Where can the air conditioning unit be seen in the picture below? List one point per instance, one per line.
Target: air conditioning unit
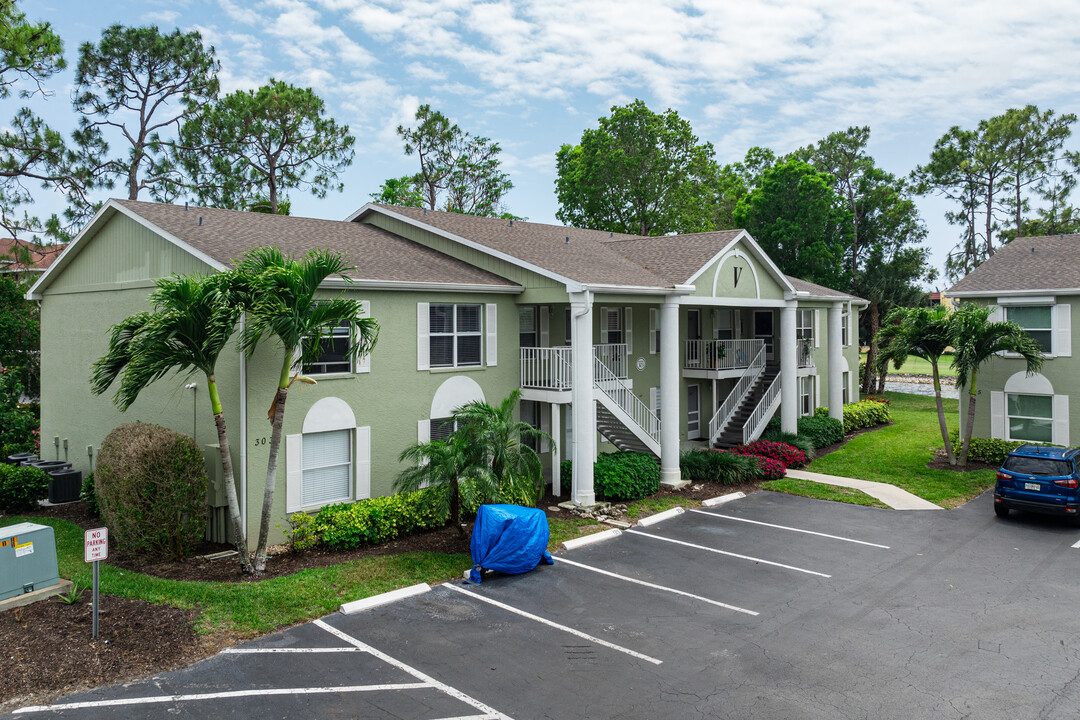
(27, 559)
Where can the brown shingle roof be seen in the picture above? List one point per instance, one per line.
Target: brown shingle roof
(225, 235)
(42, 256)
(673, 257)
(586, 258)
(814, 289)
(1035, 263)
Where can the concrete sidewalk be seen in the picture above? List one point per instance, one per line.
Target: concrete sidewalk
(891, 495)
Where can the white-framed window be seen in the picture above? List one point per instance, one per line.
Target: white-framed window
(806, 395)
(845, 322)
(334, 356)
(804, 324)
(330, 461)
(327, 464)
(454, 335)
(527, 326)
(654, 331)
(846, 379)
(440, 428)
(1030, 417)
(612, 330)
(1037, 320)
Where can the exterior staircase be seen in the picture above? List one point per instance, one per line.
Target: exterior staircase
(732, 433)
(617, 433)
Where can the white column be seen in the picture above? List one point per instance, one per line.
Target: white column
(669, 392)
(836, 359)
(556, 449)
(789, 388)
(584, 450)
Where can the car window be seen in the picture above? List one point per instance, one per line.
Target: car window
(1038, 466)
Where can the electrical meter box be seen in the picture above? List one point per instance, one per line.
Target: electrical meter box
(27, 559)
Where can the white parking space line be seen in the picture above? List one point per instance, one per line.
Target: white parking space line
(557, 626)
(267, 651)
(221, 695)
(793, 529)
(590, 568)
(1076, 544)
(489, 712)
(729, 554)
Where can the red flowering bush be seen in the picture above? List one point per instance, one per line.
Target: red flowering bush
(878, 399)
(769, 469)
(786, 455)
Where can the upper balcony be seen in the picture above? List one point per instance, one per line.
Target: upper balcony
(552, 368)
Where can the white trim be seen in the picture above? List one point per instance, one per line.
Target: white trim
(35, 292)
(423, 431)
(628, 332)
(1061, 420)
(423, 341)
(338, 283)
(351, 608)
(242, 499)
(294, 473)
(1062, 330)
(362, 463)
(363, 362)
(571, 285)
(544, 330)
(705, 301)
(763, 257)
(719, 254)
(1020, 383)
(454, 392)
(654, 330)
(492, 331)
(1027, 300)
(328, 414)
(997, 415)
(737, 253)
(1011, 293)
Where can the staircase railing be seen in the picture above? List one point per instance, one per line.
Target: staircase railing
(738, 393)
(605, 380)
(719, 354)
(614, 356)
(547, 368)
(760, 416)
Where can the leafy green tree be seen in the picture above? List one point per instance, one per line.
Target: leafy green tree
(140, 84)
(190, 325)
(923, 333)
(502, 445)
(28, 52)
(1032, 143)
(736, 180)
(459, 172)
(259, 143)
(282, 300)
(800, 222)
(976, 340)
(449, 467)
(20, 334)
(639, 172)
(402, 191)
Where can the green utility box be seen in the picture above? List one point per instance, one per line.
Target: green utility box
(27, 559)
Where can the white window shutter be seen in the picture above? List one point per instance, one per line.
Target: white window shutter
(716, 323)
(1061, 420)
(997, 314)
(1063, 330)
(545, 326)
(817, 394)
(294, 474)
(423, 431)
(654, 331)
(491, 318)
(817, 328)
(363, 362)
(604, 325)
(628, 323)
(654, 401)
(363, 463)
(545, 426)
(997, 414)
(423, 345)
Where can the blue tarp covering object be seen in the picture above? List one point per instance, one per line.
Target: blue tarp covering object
(508, 538)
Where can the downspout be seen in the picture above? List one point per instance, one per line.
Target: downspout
(243, 431)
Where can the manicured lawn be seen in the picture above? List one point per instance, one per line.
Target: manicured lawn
(568, 528)
(897, 454)
(918, 366)
(810, 489)
(650, 506)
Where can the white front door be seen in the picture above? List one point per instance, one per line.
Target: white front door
(693, 413)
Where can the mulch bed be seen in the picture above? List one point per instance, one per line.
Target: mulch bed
(940, 461)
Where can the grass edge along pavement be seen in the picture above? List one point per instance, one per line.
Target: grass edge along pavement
(897, 454)
(820, 491)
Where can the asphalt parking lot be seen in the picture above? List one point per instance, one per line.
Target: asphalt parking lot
(771, 606)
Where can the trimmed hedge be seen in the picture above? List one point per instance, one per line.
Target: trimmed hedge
(783, 453)
(990, 450)
(619, 475)
(866, 413)
(717, 466)
(21, 488)
(821, 430)
(366, 522)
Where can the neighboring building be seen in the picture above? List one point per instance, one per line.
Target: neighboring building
(27, 261)
(653, 343)
(1034, 282)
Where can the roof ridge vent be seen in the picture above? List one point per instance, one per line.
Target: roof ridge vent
(567, 239)
(200, 221)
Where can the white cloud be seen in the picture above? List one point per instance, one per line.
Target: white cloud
(164, 18)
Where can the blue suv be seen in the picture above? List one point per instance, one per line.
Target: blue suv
(1039, 479)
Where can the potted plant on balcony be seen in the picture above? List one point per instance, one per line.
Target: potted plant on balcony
(714, 353)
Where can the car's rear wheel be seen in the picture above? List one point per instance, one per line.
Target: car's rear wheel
(1001, 510)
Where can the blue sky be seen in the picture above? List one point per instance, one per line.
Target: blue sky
(533, 75)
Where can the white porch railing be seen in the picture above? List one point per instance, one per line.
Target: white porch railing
(734, 399)
(620, 394)
(752, 429)
(720, 354)
(547, 368)
(614, 357)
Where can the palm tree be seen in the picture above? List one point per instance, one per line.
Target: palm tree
(449, 467)
(497, 438)
(924, 333)
(975, 340)
(280, 296)
(190, 325)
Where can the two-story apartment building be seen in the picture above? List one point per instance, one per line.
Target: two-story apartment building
(648, 343)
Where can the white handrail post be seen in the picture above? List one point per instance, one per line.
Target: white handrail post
(669, 392)
(584, 432)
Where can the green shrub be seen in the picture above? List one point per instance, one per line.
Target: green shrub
(803, 441)
(371, 521)
(18, 421)
(774, 424)
(150, 486)
(991, 450)
(864, 414)
(21, 488)
(768, 468)
(302, 533)
(721, 467)
(625, 476)
(89, 496)
(821, 431)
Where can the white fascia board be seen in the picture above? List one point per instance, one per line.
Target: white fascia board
(990, 294)
(571, 285)
(695, 300)
(635, 289)
(363, 284)
(35, 292)
(1026, 300)
(762, 256)
(693, 278)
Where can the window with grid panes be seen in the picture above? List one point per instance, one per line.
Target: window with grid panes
(527, 334)
(613, 326)
(804, 324)
(1037, 320)
(454, 335)
(1031, 417)
(327, 467)
(333, 353)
